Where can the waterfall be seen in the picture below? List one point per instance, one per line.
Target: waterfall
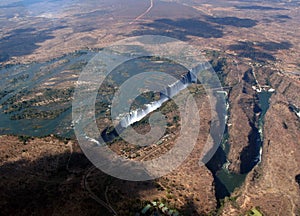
(167, 93)
(164, 95)
(139, 114)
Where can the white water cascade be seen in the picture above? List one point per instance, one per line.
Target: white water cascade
(169, 92)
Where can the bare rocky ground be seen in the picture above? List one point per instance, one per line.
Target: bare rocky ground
(41, 177)
(47, 176)
(272, 186)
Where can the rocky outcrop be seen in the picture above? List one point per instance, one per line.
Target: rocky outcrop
(243, 122)
(272, 185)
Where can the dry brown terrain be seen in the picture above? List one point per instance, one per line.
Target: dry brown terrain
(273, 184)
(260, 42)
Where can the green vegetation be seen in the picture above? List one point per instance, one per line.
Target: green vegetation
(47, 96)
(169, 196)
(144, 98)
(77, 66)
(4, 93)
(176, 118)
(156, 206)
(133, 206)
(231, 200)
(24, 139)
(38, 107)
(22, 77)
(218, 63)
(254, 212)
(37, 114)
(158, 186)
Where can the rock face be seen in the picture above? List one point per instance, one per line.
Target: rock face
(48, 176)
(273, 185)
(243, 120)
(42, 176)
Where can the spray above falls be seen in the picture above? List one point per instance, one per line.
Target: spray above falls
(167, 93)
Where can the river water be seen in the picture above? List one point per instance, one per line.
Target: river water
(225, 181)
(35, 76)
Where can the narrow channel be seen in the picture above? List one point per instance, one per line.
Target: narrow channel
(225, 181)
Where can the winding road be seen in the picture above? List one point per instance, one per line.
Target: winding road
(93, 195)
(144, 13)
